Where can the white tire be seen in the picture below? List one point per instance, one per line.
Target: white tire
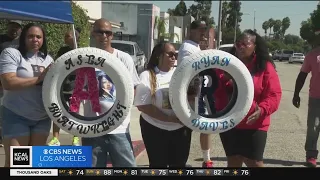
(108, 63)
(193, 65)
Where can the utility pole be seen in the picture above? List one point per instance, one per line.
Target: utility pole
(219, 24)
(237, 4)
(235, 28)
(254, 20)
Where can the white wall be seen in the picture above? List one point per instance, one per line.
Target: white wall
(122, 12)
(165, 16)
(93, 8)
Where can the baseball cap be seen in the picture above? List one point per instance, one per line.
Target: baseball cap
(16, 21)
(198, 24)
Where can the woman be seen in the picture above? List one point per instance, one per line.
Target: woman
(246, 142)
(22, 70)
(167, 141)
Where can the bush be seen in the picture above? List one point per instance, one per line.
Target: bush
(55, 32)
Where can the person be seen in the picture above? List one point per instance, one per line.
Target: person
(118, 142)
(25, 120)
(67, 86)
(198, 31)
(10, 39)
(310, 64)
(166, 139)
(246, 142)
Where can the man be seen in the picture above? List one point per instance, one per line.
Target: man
(198, 31)
(69, 41)
(118, 142)
(10, 39)
(310, 64)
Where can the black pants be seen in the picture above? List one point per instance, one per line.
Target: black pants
(244, 142)
(166, 148)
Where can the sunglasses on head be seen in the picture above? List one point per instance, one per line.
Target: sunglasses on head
(101, 32)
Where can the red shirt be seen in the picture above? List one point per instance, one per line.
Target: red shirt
(267, 94)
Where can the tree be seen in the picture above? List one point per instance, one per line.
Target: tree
(202, 11)
(265, 27)
(55, 32)
(306, 31)
(230, 14)
(277, 29)
(179, 10)
(161, 27)
(285, 25)
(271, 23)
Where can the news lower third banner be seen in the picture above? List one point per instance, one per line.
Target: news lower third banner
(51, 156)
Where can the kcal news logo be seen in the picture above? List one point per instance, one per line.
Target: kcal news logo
(21, 156)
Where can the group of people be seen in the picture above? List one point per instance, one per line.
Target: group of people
(167, 141)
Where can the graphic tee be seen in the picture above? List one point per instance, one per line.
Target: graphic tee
(161, 99)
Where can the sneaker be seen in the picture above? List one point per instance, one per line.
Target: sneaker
(311, 162)
(207, 164)
(54, 142)
(76, 141)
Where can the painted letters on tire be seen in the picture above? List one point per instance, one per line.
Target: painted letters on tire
(196, 63)
(94, 58)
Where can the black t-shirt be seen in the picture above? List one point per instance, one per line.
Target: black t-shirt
(63, 50)
(4, 38)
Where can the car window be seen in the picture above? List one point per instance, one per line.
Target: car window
(298, 54)
(128, 48)
(137, 48)
(287, 52)
(226, 49)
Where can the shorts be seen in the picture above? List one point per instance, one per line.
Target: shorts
(244, 142)
(14, 125)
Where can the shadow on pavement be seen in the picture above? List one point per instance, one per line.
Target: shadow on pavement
(266, 161)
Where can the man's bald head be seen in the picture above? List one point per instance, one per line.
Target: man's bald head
(101, 23)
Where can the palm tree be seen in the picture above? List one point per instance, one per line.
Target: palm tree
(160, 25)
(265, 27)
(271, 23)
(285, 25)
(277, 28)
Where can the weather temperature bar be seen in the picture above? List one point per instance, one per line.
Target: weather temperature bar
(154, 172)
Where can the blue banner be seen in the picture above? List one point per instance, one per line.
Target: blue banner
(61, 156)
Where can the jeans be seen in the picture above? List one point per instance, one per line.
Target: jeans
(313, 128)
(118, 146)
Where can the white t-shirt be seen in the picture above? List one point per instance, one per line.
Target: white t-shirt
(161, 99)
(187, 48)
(107, 104)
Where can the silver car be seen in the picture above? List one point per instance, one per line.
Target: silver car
(297, 57)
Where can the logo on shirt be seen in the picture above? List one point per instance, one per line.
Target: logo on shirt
(37, 70)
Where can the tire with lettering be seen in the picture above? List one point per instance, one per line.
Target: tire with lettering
(94, 58)
(193, 65)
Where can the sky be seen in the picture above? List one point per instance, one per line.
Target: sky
(297, 11)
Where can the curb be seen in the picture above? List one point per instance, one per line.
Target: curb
(138, 148)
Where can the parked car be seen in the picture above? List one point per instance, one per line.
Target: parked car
(283, 55)
(226, 47)
(133, 49)
(297, 57)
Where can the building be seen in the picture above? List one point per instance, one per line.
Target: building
(180, 23)
(94, 9)
(137, 22)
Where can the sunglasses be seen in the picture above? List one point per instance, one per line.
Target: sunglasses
(172, 54)
(101, 32)
(241, 44)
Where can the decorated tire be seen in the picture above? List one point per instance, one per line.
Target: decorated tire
(193, 65)
(87, 58)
